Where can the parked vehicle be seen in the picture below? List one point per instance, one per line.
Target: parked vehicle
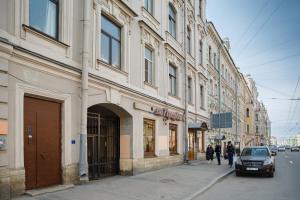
(295, 149)
(287, 147)
(274, 149)
(255, 160)
(281, 148)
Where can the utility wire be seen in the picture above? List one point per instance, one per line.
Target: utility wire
(260, 28)
(252, 22)
(273, 61)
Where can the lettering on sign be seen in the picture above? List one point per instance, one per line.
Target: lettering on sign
(175, 116)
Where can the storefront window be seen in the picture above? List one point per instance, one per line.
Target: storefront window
(149, 137)
(173, 139)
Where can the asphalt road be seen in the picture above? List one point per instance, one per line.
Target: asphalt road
(284, 186)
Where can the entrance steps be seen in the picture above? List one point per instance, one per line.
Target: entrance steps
(55, 188)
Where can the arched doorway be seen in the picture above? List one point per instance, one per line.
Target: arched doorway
(105, 125)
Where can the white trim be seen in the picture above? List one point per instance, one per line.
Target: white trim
(21, 90)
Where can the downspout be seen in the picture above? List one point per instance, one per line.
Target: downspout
(185, 87)
(83, 173)
(219, 76)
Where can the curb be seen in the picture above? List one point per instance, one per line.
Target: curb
(212, 183)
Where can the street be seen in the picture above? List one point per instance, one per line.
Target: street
(284, 185)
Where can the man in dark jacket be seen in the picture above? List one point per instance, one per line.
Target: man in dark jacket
(218, 153)
(230, 153)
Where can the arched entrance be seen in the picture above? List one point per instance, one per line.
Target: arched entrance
(104, 125)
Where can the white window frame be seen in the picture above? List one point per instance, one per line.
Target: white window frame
(152, 78)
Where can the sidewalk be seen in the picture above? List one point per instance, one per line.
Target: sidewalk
(179, 182)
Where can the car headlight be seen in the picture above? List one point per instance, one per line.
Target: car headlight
(268, 162)
(238, 161)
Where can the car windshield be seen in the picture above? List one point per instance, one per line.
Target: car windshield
(255, 152)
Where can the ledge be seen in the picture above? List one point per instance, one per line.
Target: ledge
(44, 36)
(111, 67)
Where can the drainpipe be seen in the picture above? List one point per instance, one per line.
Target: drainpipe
(83, 173)
(185, 87)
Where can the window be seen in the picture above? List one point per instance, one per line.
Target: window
(215, 59)
(200, 8)
(149, 76)
(256, 117)
(43, 16)
(189, 89)
(209, 54)
(222, 71)
(201, 52)
(110, 42)
(202, 96)
(172, 21)
(172, 80)
(188, 40)
(149, 137)
(173, 139)
(248, 128)
(247, 112)
(148, 5)
(256, 129)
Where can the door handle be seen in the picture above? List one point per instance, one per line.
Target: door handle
(43, 157)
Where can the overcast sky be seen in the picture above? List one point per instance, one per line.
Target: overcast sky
(265, 42)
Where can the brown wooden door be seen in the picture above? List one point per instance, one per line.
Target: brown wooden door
(191, 145)
(42, 143)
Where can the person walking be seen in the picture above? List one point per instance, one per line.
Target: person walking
(209, 153)
(218, 153)
(230, 153)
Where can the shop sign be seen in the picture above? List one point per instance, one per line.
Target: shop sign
(175, 116)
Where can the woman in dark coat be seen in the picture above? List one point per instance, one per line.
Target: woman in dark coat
(209, 153)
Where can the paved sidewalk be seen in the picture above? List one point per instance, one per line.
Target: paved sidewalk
(180, 182)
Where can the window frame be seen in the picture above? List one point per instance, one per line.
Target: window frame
(173, 20)
(173, 127)
(190, 90)
(111, 38)
(202, 103)
(57, 35)
(152, 82)
(171, 76)
(152, 122)
(148, 3)
(189, 41)
(201, 52)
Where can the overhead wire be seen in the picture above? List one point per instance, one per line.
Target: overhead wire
(260, 28)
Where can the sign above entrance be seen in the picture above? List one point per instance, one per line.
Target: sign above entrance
(175, 116)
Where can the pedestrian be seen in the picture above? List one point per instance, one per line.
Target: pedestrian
(218, 153)
(209, 153)
(230, 153)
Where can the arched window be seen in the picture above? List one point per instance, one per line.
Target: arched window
(172, 20)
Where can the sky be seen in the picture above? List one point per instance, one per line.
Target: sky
(265, 43)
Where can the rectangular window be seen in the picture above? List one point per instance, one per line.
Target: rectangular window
(44, 17)
(172, 80)
(215, 60)
(149, 77)
(248, 128)
(110, 42)
(149, 137)
(200, 8)
(148, 5)
(173, 139)
(172, 21)
(209, 54)
(201, 52)
(189, 41)
(189, 89)
(256, 129)
(202, 96)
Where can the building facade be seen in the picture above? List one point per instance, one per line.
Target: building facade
(102, 87)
